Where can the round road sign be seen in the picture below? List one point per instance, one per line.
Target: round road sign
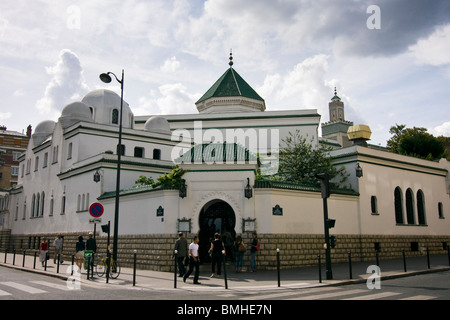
(96, 209)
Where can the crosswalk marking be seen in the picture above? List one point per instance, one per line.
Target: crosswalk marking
(23, 287)
(373, 296)
(330, 295)
(419, 297)
(4, 293)
(283, 294)
(52, 285)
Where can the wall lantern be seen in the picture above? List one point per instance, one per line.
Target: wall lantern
(248, 191)
(97, 176)
(183, 191)
(359, 171)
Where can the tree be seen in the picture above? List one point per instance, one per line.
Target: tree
(299, 162)
(415, 142)
(171, 180)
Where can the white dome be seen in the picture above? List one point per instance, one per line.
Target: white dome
(75, 112)
(43, 130)
(45, 127)
(103, 102)
(157, 124)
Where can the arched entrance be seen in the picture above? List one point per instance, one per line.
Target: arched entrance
(215, 216)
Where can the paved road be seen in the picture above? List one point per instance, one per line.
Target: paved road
(18, 285)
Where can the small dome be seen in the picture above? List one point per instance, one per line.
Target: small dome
(46, 126)
(157, 124)
(75, 112)
(103, 102)
(43, 130)
(359, 131)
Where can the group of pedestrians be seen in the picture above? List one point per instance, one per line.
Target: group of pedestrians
(80, 247)
(188, 255)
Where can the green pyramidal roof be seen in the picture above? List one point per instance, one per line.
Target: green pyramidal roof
(230, 84)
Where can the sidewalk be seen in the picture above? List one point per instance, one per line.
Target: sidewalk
(304, 277)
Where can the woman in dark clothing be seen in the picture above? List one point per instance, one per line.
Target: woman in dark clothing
(217, 247)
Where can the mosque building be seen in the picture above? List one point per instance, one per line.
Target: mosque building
(393, 202)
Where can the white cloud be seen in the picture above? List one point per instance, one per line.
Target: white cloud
(305, 86)
(67, 84)
(170, 65)
(5, 116)
(435, 49)
(170, 99)
(442, 130)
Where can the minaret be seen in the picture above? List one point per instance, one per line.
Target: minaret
(337, 127)
(336, 108)
(230, 93)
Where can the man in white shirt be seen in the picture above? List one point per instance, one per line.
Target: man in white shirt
(58, 244)
(194, 261)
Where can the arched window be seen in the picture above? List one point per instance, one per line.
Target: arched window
(33, 204)
(410, 206)
(373, 204)
(398, 205)
(440, 210)
(115, 116)
(38, 197)
(42, 203)
(421, 207)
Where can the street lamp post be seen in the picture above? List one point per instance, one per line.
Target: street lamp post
(325, 187)
(105, 77)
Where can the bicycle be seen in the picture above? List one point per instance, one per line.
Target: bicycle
(102, 266)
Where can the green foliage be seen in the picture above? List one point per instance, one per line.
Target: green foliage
(170, 180)
(299, 162)
(415, 142)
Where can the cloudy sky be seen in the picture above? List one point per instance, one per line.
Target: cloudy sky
(389, 59)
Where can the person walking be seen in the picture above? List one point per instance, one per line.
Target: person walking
(80, 246)
(217, 246)
(91, 244)
(43, 251)
(58, 244)
(240, 250)
(194, 261)
(181, 247)
(253, 250)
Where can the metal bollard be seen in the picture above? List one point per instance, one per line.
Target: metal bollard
(175, 269)
(225, 269)
(73, 260)
(34, 262)
(428, 258)
(14, 257)
(404, 260)
(108, 265)
(350, 265)
(320, 269)
(45, 266)
(278, 266)
(448, 254)
(134, 269)
(88, 266)
(6, 253)
(23, 260)
(57, 267)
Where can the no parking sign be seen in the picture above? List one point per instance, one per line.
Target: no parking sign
(96, 209)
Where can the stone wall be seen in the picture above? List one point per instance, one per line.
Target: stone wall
(154, 252)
